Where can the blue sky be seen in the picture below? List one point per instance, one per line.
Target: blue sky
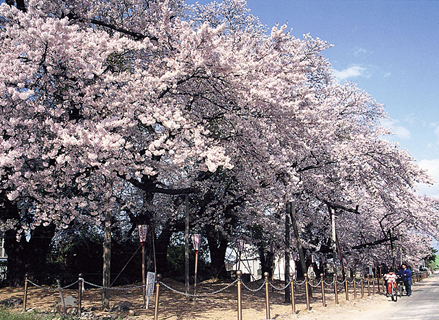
(388, 48)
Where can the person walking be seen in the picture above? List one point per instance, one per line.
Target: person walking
(407, 278)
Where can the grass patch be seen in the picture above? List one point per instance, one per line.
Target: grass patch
(6, 315)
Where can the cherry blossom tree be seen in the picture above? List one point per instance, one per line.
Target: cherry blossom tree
(100, 97)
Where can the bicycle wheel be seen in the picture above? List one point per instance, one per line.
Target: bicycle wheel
(400, 289)
(394, 294)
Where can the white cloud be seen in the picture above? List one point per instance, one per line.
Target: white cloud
(399, 131)
(436, 132)
(351, 72)
(358, 51)
(432, 167)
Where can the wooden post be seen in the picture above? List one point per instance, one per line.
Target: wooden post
(143, 275)
(80, 284)
(335, 289)
(267, 297)
(323, 289)
(62, 298)
(293, 302)
(346, 287)
(195, 275)
(355, 289)
(362, 287)
(373, 285)
(25, 293)
(307, 292)
(287, 251)
(186, 247)
(368, 286)
(157, 292)
(239, 274)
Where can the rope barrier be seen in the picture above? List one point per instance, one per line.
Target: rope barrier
(112, 288)
(54, 289)
(316, 285)
(279, 289)
(300, 283)
(253, 290)
(198, 295)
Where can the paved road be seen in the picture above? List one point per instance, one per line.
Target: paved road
(423, 303)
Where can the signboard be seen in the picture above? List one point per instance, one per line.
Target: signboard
(143, 232)
(150, 282)
(196, 241)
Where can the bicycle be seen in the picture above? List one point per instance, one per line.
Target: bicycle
(394, 292)
(400, 287)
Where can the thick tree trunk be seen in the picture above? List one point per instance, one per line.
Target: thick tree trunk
(107, 262)
(217, 246)
(292, 214)
(23, 256)
(28, 257)
(162, 244)
(267, 260)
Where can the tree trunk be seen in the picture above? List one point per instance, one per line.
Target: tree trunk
(267, 260)
(217, 247)
(28, 257)
(292, 214)
(106, 261)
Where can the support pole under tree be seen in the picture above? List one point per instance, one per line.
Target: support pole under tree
(25, 293)
(292, 214)
(186, 247)
(143, 235)
(196, 238)
(80, 284)
(107, 261)
(287, 253)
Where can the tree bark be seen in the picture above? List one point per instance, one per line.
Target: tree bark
(217, 247)
(107, 262)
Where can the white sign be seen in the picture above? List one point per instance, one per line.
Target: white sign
(150, 282)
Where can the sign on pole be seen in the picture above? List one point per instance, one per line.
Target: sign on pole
(150, 284)
(143, 233)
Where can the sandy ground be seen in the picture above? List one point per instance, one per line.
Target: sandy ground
(218, 306)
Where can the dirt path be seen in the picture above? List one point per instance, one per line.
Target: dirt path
(223, 306)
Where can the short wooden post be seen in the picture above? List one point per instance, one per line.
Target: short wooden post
(307, 292)
(293, 302)
(346, 287)
(373, 285)
(62, 298)
(267, 297)
(323, 289)
(335, 289)
(25, 293)
(80, 285)
(239, 274)
(379, 284)
(157, 294)
(368, 286)
(355, 288)
(362, 287)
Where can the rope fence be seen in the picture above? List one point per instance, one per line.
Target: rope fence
(313, 290)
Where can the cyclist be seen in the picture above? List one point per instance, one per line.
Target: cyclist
(390, 281)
